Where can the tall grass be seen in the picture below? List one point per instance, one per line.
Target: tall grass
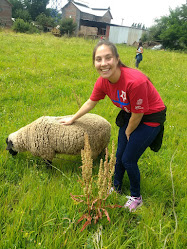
(39, 75)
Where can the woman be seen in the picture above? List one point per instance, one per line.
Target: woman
(139, 53)
(133, 92)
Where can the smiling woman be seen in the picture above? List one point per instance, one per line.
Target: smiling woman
(131, 91)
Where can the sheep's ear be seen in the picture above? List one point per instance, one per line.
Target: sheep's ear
(9, 145)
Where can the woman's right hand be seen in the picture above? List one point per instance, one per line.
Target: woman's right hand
(66, 121)
(87, 106)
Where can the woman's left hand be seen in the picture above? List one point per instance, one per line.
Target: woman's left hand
(134, 121)
(128, 136)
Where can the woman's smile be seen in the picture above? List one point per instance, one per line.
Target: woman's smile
(105, 70)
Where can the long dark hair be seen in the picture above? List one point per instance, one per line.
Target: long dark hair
(139, 44)
(113, 49)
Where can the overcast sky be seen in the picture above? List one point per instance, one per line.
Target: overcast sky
(127, 12)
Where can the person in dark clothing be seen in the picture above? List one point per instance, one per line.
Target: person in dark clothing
(139, 56)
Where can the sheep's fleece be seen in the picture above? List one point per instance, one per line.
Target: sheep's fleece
(46, 136)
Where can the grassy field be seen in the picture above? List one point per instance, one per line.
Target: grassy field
(43, 75)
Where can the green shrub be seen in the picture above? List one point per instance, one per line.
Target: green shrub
(67, 26)
(24, 27)
(32, 29)
(145, 37)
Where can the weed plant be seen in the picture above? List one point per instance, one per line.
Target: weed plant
(45, 75)
(94, 197)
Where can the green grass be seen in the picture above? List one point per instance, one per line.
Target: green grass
(38, 76)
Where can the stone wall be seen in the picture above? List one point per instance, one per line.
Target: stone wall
(5, 13)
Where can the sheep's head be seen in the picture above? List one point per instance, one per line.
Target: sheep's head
(10, 147)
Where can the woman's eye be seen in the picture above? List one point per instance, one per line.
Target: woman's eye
(108, 58)
(98, 59)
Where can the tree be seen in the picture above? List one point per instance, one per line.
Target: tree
(67, 26)
(172, 30)
(145, 37)
(45, 21)
(35, 7)
(16, 5)
(139, 26)
(23, 14)
(54, 14)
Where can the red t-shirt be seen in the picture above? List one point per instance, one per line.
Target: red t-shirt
(133, 92)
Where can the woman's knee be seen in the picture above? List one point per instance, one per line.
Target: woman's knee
(129, 161)
(119, 154)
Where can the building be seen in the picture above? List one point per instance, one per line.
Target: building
(126, 35)
(97, 22)
(90, 21)
(5, 13)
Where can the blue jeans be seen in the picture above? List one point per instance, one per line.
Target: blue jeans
(139, 58)
(128, 154)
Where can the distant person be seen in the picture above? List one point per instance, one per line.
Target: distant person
(140, 120)
(139, 53)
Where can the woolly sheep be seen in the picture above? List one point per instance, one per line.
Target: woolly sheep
(46, 136)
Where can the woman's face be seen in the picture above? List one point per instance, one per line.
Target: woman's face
(107, 64)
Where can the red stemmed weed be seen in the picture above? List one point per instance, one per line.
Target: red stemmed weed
(96, 205)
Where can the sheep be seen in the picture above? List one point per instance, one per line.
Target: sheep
(46, 136)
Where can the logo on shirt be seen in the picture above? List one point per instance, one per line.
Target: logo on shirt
(123, 95)
(138, 107)
(139, 102)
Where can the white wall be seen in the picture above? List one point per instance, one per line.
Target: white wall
(128, 35)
